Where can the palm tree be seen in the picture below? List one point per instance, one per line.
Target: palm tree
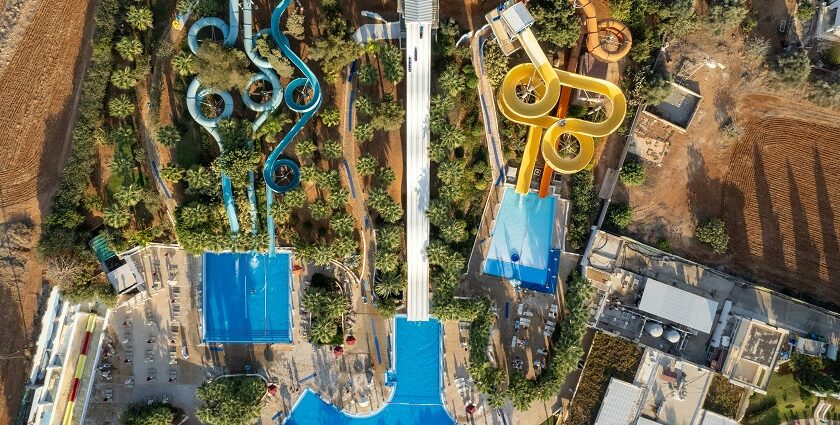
(120, 107)
(322, 331)
(363, 133)
(386, 176)
(116, 216)
(342, 223)
(294, 198)
(330, 116)
(366, 166)
(124, 78)
(140, 18)
(121, 164)
(168, 136)
(389, 238)
(199, 178)
(193, 215)
(338, 198)
(123, 136)
(304, 149)
(308, 174)
(368, 75)
(172, 173)
(322, 254)
(439, 212)
(184, 63)
(333, 149)
(129, 196)
(273, 125)
(387, 262)
(281, 214)
(320, 209)
(389, 285)
(129, 48)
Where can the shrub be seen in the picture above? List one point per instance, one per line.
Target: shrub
(633, 172)
(620, 215)
(233, 400)
(645, 86)
(713, 232)
(724, 397)
(726, 15)
(793, 68)
(804, 11)
(832, 54)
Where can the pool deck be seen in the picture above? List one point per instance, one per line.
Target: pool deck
(417, 375)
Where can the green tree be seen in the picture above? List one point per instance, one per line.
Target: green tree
(495, 63)
(620, 215)
(386, 262)
(832, 54)
(364, 105)
(274, 124)
(388, 116)
(439, 212)
(116, 216)
(129, 195)
(713, 232)
(386, 176)
(793, 68)
(632, 172)
(333, 53)
(194, 214)
(172, 173)
(368, 75)
(338, 197)
(392, 62)
(129, 48)
(221, 68)
(168, 136)
(333, 149)
(810, 373)
(342, 223)
(269, 50)
(363, 133)
(140, 18)
(184, 64)
(123, 136)
(454, 231)
(804, 10)
(236, 163)
(233, 400)
(367, 165)
(389, 238)
(295, 198)
(305, 149)
(645, 86)
(322, 331)
(556, 22)
(124, 78)
(725, 15)
(294, 24)
(320, 210)
(200, 178)
(389, 285)
(120, 107)
(330, 116)
(148, 414)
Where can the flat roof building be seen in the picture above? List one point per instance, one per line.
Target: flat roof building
(752, 355)
(678, 306)
(620, 404)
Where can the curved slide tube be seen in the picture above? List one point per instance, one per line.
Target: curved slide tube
(616, 41)
(546, 83)
(274, 162)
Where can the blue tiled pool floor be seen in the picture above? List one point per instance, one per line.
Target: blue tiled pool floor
(417, 393)
(246, 298)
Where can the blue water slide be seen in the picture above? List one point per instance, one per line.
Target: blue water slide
(307, 109)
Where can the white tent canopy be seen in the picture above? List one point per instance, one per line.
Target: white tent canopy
(678, 306)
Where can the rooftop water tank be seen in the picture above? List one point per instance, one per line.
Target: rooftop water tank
(654, 329)
(831, 352)
(672, 336)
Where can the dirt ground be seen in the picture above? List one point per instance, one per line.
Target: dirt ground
(775, 185)
(40, 87)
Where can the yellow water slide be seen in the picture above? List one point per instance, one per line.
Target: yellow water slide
(608, 40)
(528, 95)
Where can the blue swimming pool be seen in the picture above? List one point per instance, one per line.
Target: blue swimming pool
(416, 398)
(246, 298)
(520, 246)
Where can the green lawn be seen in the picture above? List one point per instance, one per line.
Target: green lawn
(785, 401)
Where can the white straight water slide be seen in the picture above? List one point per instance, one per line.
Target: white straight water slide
(418, 68)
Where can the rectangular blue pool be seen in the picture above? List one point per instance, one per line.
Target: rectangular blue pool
(521, 241)
(246, 298)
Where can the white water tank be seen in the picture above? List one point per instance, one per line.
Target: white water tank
(654, 329)
(725, 340)
(831, 352)
(672, 336)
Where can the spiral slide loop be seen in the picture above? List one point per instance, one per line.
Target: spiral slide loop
(528, 95)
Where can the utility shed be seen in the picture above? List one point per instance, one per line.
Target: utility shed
(678, 306)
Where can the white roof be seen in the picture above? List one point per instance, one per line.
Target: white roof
(421, 11)
(123, 277)
(711, 418)
(678, 306)
(645, 421)
(620, 405)
(517, 18)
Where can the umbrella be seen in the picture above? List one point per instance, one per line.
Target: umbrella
(338, 350)
(471, 409)
(350, 340)
(272, 389)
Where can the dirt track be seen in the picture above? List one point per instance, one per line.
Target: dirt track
(39, 90)
(780, 198)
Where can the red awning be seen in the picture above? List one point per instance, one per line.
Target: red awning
(338, 350)
(471, 409)
(350, 340)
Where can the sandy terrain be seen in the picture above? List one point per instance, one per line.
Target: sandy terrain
(40, 85)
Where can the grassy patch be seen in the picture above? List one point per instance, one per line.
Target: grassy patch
(610, 357)
(785, 401)
(723, 397)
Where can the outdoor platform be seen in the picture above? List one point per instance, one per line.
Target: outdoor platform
(246, 298)
(521, 243)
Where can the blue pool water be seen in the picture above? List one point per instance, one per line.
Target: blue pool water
(416, 398)
(520, 247)
(246, 298)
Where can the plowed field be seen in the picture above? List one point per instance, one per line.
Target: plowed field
(39, 94)
(781, 200)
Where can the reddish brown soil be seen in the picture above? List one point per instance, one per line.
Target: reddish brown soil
(779, 201)
(39, 88)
